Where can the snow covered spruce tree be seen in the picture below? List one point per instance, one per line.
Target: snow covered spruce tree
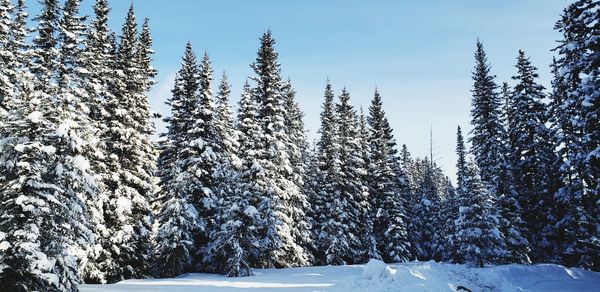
(35, 213)
(178, 220)
(45, 144)
(348, 205)
(532, 155)
(326, 185)
(452, 202)
(487, 136)
(425, 203)
(369, 240)
(45, 53)
(130, 159)
(575, 121)
(77, 145)
(228, 135)
(386, 188)
(297, 146)
(11, 36)
(477, 239)
(234, 246)
(279, 197)
(97, 62)
(461, 162)
(489, 146)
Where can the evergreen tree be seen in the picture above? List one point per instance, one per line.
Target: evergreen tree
(386, 190)
(178, 219)
(131, 159)
(452, 202)
(97, 63)
(477, 239)
(297, 145)
(273, 165)
(487, 136)
(235, 246)
(45, 53)
(575, 108)
(532, 154)
(426, 201)
(225, 121)
(350, 200)
(369, 237)
(19, 32)
(41, 219)
(7, 69)
(327, 167)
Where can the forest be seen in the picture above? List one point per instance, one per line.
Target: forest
(88, 196)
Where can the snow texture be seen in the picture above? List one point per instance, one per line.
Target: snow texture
(377, 276)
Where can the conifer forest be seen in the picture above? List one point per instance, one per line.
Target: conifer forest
(88, 194)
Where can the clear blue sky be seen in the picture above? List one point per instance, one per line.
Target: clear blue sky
(418, 53)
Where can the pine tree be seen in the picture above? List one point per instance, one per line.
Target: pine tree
(144, 55)
(178, 219)
(575, 109)
(235, 241)
(425, 203)
(350, 199)
(235, 246)
(327, 166)
(43, 213)
(7, 69)
(532, 155)
(19, 32)
(96, 66)
(273, 165)
(297, 145)
(369, 238)
(76, 145)
(490, 147)
(477, 239)
(228, 135)
(131, 159)
(386, 190)
(452, 202)
(45, 53)
(488, 135)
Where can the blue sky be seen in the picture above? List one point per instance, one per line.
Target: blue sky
(419, 54)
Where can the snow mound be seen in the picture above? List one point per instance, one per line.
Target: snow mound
(432, 276)
(376, 269)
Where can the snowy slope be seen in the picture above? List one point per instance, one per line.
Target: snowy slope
(376, 276)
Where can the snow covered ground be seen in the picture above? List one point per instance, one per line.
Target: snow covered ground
(376, 276)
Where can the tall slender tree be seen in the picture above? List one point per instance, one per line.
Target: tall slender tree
(350, 200)
(178, 219)
(488, 133)
(532, 155)
(387, 191)
(575, 114)
(131, 159)
(277, 191)
(327, 166)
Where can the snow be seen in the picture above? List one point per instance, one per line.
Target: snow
(35, 117)
(250, 211)
(377, 276)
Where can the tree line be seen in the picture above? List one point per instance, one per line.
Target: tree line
(87, 195)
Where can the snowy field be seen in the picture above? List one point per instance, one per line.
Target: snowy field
(376, 276)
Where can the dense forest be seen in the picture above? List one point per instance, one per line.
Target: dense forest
(87, 195)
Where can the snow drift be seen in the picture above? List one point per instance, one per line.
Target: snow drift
(377, 276)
